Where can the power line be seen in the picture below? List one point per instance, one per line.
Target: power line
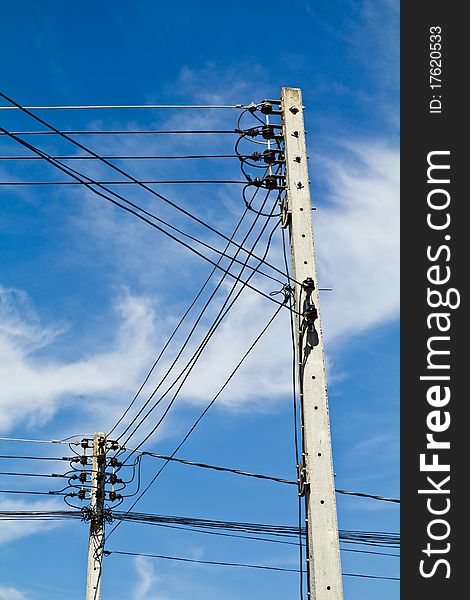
(217, 468)
(179, 324)
(124, 106)
(11, 439)
(256, 475)
(70, 171)
(66, 458)
(32, 474)
(214, 527)
(372, 496)
(52, 493)
(201, 416)
(88, 182)
(78, 176)
(201, 313)
(118, 157)
(134, 182)
(201, 562)
(115, 168)
(130, 132)
(229, 564)
(222, 313)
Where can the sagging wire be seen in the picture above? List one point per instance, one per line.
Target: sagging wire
(221, 314)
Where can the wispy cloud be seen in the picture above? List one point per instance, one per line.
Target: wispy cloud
(357, 245)
(15, 530)
(11, 593)
(34, 388)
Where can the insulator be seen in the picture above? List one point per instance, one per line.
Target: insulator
(308, 285)
(271, 182)
(269, 156)
(267, 131)
(266, 107)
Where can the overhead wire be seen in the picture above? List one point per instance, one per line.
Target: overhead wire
(177, 327)
(218, 319)
(204, 412)
(136, 182)
(255, 475)
(128, 157)
(78, 515)
(119, 170)
(13, 439)
(125, 106)
(230, 564)
(185, 373)
(10, 456)
(130, 132)
(143, 218)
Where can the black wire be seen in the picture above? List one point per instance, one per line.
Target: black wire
(149, 157)
(377, 538)
(133, 182)
(295, 412)
(32, 474)
(192, 361)
(372, 496)
(201, 416)
(228, 564)
(189, 366)
(118, 169)
(218, 468)
(142, 218)
(78, 515)
(201, 562)
(204, 285)
(60, 493)
(66, 458)
(136, 132)
(255, 475)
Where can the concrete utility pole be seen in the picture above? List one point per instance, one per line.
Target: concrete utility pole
(95, 546)
(316, 470)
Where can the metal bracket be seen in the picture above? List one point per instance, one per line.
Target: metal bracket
(285, 212)
(302, 477)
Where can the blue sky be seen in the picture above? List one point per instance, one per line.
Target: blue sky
(88, 294)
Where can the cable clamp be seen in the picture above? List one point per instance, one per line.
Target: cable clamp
(288, 292)
(286, 212)
(302, 477)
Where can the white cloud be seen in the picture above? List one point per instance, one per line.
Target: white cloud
(147, 580)
(357, 239)
(11, 593)
(14, 530)
(34, 389)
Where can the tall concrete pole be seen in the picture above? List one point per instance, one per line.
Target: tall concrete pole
(95, 546)
(316, 469)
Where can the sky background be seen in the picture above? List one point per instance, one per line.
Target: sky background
(88, 294)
